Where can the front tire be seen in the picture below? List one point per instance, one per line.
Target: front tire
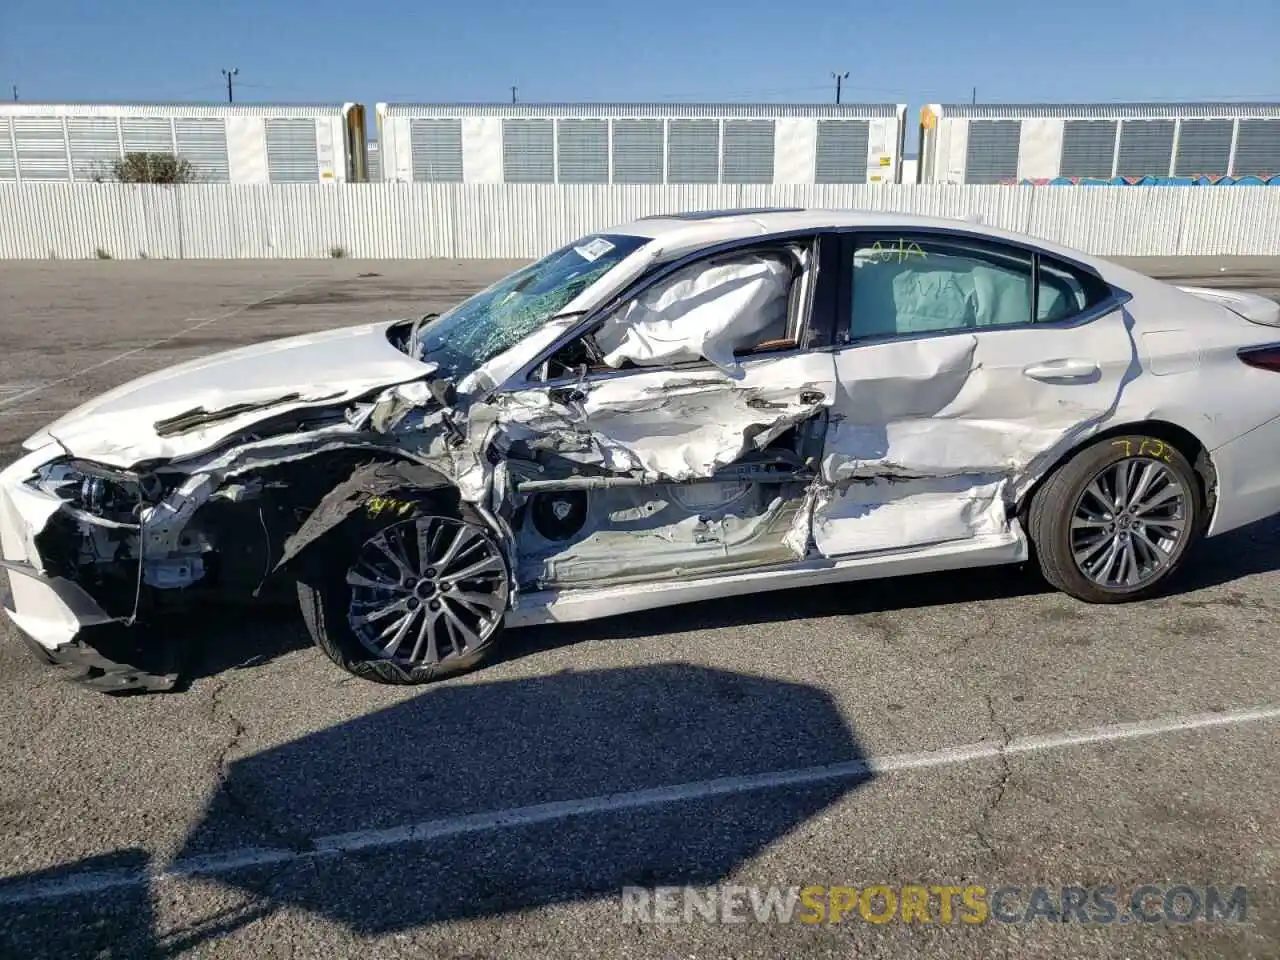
(411, 597)
(1114, 522)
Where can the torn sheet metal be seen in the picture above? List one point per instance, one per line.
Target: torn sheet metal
(643, 533)
(364, 484)
(203, 416)
(702, 313)
(667, 426)
(912, 513)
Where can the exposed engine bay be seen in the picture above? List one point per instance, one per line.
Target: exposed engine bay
(120, 538)
(129, 543)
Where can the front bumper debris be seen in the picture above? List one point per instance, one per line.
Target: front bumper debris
(55, 617)
(99, 653)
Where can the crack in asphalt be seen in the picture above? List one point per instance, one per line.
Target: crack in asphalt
(1002, 781)
(239, 805)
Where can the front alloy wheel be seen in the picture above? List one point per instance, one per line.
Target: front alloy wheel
(426, 589)
(413, 600)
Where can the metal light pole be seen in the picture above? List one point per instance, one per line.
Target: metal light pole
(229, 74)
(839, 78)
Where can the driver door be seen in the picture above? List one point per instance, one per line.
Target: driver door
(678, 432)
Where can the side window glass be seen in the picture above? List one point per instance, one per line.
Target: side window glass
(904, 285)
(1064, 292)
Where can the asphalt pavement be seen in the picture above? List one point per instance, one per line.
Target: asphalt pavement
(968, 730)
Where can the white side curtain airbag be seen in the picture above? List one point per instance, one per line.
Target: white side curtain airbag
(938, 293)
(702, 313)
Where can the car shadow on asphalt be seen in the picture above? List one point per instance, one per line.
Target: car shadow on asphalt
(437, 808)
(230, 639)
(113, 917)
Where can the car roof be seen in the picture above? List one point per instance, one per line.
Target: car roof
(680, 232)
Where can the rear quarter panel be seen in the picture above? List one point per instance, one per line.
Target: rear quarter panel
(1191, 375)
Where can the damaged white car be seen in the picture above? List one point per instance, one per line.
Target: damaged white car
(676, 409)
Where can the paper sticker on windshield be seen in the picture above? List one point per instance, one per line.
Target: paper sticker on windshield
(594, 250)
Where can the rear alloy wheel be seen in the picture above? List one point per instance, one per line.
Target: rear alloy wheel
(1115, 521)
(422, 598)
(1127, 523)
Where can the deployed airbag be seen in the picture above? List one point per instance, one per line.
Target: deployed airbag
(925, 293)
(703, 312)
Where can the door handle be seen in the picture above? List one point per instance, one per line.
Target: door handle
(1070, 369)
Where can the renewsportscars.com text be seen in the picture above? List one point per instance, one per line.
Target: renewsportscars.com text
(935, 904)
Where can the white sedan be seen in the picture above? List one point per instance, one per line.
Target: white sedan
(676, 409)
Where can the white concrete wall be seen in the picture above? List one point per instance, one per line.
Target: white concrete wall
(882, 151)
(247, 149)
(397, 156)
(71, 220)
(953, 146)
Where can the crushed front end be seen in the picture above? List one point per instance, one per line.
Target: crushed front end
(69, 537)
(89, 549)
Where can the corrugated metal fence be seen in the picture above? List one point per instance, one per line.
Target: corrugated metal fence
(459, 221)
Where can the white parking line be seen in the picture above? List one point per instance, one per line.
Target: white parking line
(200, 324)
(9, 389)
(92, 882)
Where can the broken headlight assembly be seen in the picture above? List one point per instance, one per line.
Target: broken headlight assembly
(93, 493)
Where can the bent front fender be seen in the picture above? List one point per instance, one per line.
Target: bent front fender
(394, 482)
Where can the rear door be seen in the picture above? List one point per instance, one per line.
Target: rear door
(964, 366)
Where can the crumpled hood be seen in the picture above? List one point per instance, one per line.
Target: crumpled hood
(163, 415)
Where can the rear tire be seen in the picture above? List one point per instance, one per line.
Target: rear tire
(450, 601)
(1115, 522)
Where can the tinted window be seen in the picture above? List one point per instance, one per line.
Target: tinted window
(1065, 292)
(905, 286)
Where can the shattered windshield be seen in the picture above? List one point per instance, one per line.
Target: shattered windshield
(498, 318)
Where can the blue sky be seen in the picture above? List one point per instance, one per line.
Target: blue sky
(769, 50)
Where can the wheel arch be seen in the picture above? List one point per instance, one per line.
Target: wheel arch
(1182, 439)
(392, 479)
